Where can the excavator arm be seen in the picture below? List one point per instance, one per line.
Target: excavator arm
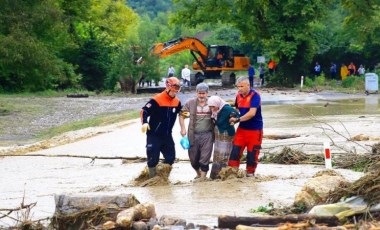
(197, 48)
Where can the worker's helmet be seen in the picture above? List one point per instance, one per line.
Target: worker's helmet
(173, 84)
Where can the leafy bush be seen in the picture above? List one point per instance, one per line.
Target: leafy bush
(332, 83)
(354, 82)
(320, 80)
(308, 82)
(265, 209)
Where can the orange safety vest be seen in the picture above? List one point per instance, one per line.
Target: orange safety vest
(271, 65)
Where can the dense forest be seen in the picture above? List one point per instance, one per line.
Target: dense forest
(95, 44)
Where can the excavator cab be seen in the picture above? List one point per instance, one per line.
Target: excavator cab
(220, 56)
(212, 53)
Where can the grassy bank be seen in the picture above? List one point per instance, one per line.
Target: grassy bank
(102, 120)
(26, 118)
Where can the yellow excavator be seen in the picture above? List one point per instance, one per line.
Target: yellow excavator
(211, 62)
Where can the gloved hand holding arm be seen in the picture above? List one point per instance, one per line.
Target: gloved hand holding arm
(145, 127)
(185, 114)
(144, 113)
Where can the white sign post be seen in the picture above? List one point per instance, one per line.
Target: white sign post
(326, 147)
(260, 59)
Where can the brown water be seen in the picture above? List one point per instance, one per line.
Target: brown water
(200, 203)
(40, 178)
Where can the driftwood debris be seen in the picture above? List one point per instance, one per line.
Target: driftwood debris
(232, 221)
(291, 156)
(126, 217)
(77, 95)
(76, 156)
(84, 212)
(280, 136)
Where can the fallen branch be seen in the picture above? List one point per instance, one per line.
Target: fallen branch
(325, 126)
(26, 207)
(75, 156)
(22, 206)
(93, 158)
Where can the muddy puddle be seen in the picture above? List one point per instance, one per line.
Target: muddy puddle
(40, 178)
(197, 202)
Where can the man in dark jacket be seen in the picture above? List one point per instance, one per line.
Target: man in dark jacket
(162, 111)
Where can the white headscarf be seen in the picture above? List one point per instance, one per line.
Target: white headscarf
(217, 102)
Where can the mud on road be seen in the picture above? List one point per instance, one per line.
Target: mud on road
(285, 112)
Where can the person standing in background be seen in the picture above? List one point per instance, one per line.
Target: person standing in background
(317, 69)
(158, 117)
(351, 69)
(185, 75)
(251, 75)
(344, 72)
(249, 133)
(333, 70)
(261, 72)
(361, 70)
(271, 66)
(171, 71)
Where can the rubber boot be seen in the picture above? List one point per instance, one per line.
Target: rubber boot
(152, 172)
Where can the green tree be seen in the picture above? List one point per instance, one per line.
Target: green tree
(32, 37)
(93, 61)
(363, 18)
(150, 7)
(362, 24)
(283, 28)
(99, 34)
(133, 60)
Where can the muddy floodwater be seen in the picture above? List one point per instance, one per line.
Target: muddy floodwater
(311, 118)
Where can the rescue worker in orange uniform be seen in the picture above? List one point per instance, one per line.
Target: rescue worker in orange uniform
(162, 111)
(271, 66)
(352, 68)
(249, 133)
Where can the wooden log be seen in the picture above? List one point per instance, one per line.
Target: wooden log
(280, 136)
(126, 217)
(244, 227)
(77, 95)
(233, 221)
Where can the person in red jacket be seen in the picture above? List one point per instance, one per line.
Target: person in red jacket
(162, 111)
(249, 133)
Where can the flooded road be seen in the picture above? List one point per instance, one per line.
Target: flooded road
(200, 203)
(303, 115)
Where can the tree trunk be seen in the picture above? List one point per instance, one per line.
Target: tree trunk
(128, 84)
